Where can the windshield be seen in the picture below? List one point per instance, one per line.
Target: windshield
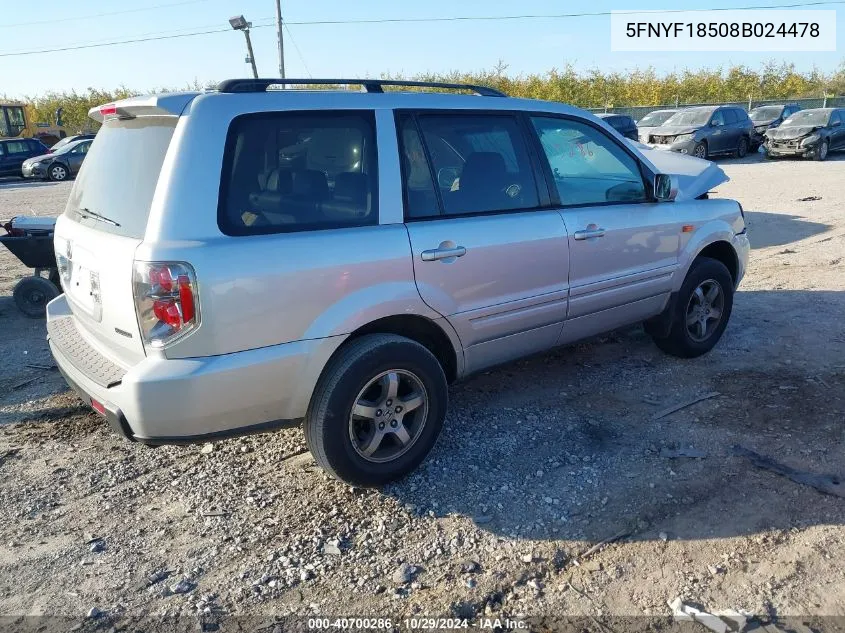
(120, 174)
(64, 149)
(690, 117)
(653, 119)
(807, 117)
(765, 114)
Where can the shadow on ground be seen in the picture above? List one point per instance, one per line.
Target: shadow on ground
(779, 229)
(568, 445)
(20, 183)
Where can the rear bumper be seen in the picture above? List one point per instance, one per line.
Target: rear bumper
(179, 401)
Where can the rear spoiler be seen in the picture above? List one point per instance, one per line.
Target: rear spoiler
(152, 105)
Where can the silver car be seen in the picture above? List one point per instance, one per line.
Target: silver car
(238, 259)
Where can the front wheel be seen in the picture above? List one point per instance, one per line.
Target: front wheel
(57, 172)
(821, 152)
(701, 310)
(742, 148)
(700, 150)
(377, 410)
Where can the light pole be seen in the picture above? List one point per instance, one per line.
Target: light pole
(239, 23)
(281, 38)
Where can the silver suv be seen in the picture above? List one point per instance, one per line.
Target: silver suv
(237, 259)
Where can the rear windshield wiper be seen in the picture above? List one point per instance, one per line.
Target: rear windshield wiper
(87, 213)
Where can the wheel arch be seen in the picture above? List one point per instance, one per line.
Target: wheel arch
(432, 335)
(724, 252)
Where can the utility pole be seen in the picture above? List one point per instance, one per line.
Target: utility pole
(239, 23)
(251, 55)
(281, 36)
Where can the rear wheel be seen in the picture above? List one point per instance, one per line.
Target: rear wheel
(377, 410)
(700, 150)
(58, 172)
(32, 294)
(742, 147)
(701, 311)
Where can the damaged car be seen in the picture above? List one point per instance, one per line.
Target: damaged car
(808, 134)
(767, 117)
(653, 120)
(705, 131)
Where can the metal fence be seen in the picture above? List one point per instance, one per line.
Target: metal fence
(638, 112)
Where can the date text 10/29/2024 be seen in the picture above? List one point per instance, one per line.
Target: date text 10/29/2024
(417, 623)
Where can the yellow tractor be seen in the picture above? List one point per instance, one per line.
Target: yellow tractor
(15, 121)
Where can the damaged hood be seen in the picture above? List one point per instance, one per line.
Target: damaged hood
(693, 175)
(793, 131)
(675, 130)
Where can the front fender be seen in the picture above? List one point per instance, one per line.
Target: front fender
(709, 233)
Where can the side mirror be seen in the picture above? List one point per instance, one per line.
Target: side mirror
(446, 176)
(665, 188)
(715, 123)
(836, 124)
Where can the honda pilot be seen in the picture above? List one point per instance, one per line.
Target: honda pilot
(237, 259)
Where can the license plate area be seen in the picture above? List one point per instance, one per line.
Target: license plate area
(83, 287)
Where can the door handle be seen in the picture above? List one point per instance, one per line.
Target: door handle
(588, 233)
(443, 253)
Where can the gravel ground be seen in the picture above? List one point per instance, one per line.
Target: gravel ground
(540, 460)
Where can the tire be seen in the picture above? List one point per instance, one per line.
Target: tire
(32, 294)
(342, 441)
(742, 148)
(823, 151)
(689, 340)
(700, 150)
(58, 172)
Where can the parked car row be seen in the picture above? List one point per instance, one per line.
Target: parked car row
(30, 158)
(709, 131)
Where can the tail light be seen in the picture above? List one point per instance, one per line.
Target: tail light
(63, 261)
(166, 301)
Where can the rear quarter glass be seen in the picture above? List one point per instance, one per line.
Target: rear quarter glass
(119, 176)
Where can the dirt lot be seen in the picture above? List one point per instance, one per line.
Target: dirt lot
(539, 461)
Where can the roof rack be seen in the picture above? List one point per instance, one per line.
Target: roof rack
(370, 85)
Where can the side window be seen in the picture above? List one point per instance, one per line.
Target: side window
(420, 194)
(35, 146)
(730, 116)
(718, 118)
(588, 167)
(17, 121)
(17, 147)
(2, 149)
(480, 162)
(835, 118)
(299, 171)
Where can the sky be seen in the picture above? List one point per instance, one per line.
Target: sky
(330, 50)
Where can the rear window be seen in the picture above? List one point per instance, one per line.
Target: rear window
(296, 171)
(119, 176)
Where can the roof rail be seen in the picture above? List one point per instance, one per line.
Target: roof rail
(370, 85)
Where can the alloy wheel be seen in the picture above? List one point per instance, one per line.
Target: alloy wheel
(704, 310)
(388, 415)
